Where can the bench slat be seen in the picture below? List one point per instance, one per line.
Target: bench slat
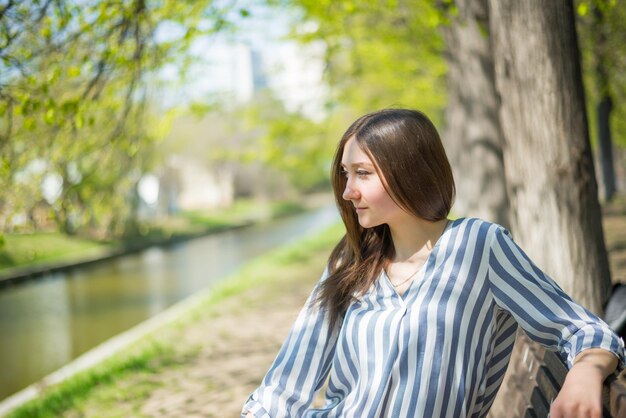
(530, 413)
(548, 385)
(555, 364)
(540, 404)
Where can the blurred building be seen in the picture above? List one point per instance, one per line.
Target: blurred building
(225, 72)
(295, 74)
(188, 184)
(233, 71)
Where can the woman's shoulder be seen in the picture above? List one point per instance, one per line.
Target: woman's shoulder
(479, 227)
(476, 222)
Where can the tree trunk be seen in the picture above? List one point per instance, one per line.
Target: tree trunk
(605, 144)
(551, 183)
(604, 107)
(472, 135)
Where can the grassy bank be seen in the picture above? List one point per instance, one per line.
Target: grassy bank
(32, 249)
(119, 386)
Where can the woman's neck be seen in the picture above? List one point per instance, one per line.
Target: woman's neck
(415, 237)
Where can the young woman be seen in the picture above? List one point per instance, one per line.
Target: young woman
(415, 315)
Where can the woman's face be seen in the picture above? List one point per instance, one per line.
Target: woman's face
(364, 188)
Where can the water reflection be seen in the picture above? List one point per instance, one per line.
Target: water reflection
(46, 323)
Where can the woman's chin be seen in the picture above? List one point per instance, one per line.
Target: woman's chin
(365, 223)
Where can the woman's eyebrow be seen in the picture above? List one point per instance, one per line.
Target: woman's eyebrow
(358, 164)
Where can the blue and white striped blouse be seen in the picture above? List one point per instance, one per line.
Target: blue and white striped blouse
(440, 349)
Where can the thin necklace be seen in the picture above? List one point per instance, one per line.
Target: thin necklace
(418, 269)
(405, 280)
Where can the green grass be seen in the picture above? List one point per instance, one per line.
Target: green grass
(243, 211)
(150, 356)
(28, 249)
(266, 274)
(23, 250)
(286, 208)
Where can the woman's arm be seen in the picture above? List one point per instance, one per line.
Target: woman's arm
(550, 317)
(581, 393)
(546, 313)
(300, 368)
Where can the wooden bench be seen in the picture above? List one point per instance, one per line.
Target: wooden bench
(537, 376)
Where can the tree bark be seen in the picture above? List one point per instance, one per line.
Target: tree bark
(604, 106)
(472, 135)
(551, 183)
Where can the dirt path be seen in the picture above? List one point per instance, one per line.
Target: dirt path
(230, 364)
(222, 357)
(219, 359)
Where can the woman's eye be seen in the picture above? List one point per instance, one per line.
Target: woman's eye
(358, 173)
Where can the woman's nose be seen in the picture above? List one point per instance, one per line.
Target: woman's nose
(350, 193)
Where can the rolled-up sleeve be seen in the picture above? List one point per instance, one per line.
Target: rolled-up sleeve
(300, 368)
(546, 313)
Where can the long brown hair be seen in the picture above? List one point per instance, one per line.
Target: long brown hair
(407, 152)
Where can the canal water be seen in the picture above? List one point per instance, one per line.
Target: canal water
(46, 323)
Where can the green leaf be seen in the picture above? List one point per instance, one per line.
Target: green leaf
(73, 71)
(29, 124)
(49, 116)
(79, 121)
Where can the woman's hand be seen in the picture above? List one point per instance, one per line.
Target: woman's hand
(581, 394)
(250, 415)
